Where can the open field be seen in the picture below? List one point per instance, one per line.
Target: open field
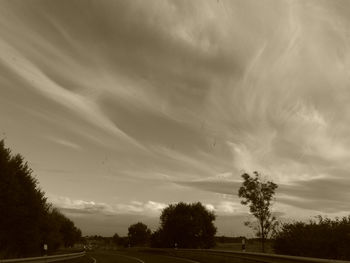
(251, 246)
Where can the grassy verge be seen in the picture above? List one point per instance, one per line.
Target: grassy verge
(251, 246)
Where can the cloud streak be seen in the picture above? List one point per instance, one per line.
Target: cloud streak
(174, 100)
(82, 207)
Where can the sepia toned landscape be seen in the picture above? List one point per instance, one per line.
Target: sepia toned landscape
(210, 131)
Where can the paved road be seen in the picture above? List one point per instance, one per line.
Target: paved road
(133, 257)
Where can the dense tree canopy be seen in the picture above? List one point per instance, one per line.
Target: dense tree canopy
(185, 226)
(258, 195)
(139, 234)
(322, 238)
(27, 220)
(116, 239)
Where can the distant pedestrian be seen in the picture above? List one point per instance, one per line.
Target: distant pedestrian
(243, 244)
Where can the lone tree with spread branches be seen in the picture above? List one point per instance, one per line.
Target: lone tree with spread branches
(258, 195)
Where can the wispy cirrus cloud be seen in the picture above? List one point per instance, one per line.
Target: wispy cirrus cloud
(73, 206)
(65, 143)
(174, 100)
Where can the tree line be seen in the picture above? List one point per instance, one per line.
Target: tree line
(191, 226)
(181, 226)
(27, 219)
(319, 238)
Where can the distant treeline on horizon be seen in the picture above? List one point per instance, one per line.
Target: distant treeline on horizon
(218, 239)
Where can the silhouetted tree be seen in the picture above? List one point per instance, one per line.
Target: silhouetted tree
(139, 234)
(322, 238)
(258, 195)
(124, 242)
(185, 226)
(22, 207)
(70, 234)
(60, 230)
(27, 220)
(52, 235)
(157, 239)
(116, 239)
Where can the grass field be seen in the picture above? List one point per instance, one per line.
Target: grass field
(251, 246)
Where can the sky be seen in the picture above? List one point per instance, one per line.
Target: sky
(124, 107)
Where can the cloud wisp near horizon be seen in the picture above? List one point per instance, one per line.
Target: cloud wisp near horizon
(123, 107)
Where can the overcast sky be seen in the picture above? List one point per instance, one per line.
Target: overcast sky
(123, 107)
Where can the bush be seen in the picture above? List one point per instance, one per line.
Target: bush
(324, 238)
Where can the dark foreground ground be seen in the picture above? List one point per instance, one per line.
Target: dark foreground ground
(135, 255)
(130, 257)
